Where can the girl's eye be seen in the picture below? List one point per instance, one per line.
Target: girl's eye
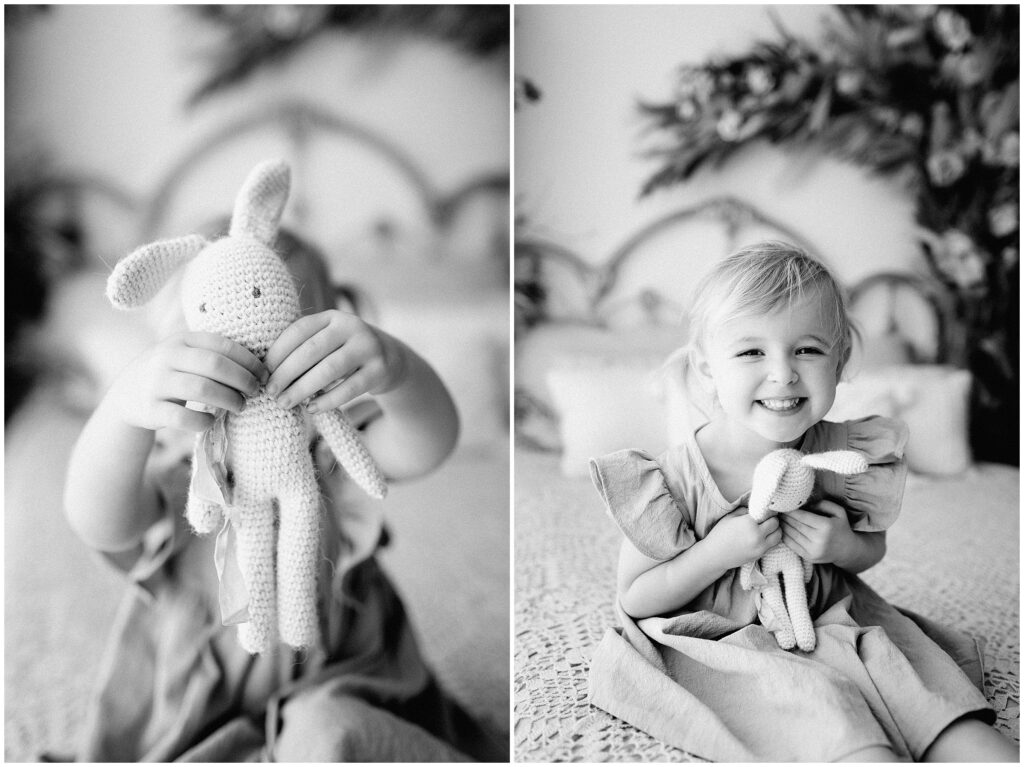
(256, 293)
(809, 350)
(749, 353)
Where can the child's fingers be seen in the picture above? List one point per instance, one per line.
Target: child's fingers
(308, 369)
(360, 382)
(232, 350)
(772, 538)
(293, 337)
(316, 366)
(326, 375)
(794, 536)
(184, 387)
(799, 520)
(177, 416)
(216, 367)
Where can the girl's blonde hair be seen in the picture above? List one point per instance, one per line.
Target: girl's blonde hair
(759, 279)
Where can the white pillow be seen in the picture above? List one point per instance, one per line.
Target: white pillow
(606, 405)
(933, 400)
(466, 342)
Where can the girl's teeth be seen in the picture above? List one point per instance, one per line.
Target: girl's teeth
(781, 404)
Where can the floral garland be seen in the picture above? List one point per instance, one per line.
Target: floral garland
(256, 35)
(929, 94)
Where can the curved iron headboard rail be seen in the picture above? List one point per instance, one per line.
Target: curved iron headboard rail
(299, 120)
(599, 279)
(732, 211)
(926, 289)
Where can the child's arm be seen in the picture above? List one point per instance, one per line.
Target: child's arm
(648, 587)
(824, 535)
(419, 425)
(108, 501)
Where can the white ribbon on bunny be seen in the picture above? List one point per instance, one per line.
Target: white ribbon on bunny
(239, 287)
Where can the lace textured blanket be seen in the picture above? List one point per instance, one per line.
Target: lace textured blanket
(952, 557)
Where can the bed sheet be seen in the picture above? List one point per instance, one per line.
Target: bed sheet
(953, 556)
(448, 558)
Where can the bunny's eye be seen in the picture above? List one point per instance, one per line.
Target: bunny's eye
(256, 293)
(202, 308)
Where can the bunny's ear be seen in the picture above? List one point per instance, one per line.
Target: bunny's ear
(261, 201)
(838, 461)
(767, 474)
(140, 275)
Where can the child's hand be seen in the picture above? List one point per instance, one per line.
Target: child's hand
(335, 354)
(740, 539)
(821, 535)
(201, 367)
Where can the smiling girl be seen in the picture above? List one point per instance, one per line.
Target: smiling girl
(692, 664)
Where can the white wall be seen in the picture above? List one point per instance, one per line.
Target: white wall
(103, 89)
(577, 150)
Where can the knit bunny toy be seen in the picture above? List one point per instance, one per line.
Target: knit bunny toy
(783, 481)
(239, 287)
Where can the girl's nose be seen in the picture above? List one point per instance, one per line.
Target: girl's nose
(782, 372)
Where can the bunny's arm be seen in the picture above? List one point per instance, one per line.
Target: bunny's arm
(343, 439)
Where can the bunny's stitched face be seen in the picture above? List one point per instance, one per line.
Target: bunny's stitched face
(241, 289)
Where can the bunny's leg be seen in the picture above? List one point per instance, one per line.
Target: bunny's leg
(298, 550)
(255, 525)
(772, 597)
(796, 602)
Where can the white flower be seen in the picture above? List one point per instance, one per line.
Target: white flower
(945, 167)
(1009, 149)
(1003, 218)
(958, 257)
(687, 109)
(967, 69)
(1010, 257)
(729, 125)
(849, 81)
(952, 29)
(760, 80)
(913, 125)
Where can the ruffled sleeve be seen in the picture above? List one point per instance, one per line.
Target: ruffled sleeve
(873, 499)
(640, 503)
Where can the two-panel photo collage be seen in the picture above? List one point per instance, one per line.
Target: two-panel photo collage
(512, 383)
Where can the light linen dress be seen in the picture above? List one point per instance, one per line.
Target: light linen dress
(176, 686)
(711, 680)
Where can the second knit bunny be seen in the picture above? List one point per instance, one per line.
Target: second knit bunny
(783, 482)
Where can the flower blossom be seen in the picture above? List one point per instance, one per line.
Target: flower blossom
(729, 125)
(945, 167)
(849, 81)
(1003, 218)
(912, 125)
(967, 69)
(952, 29)
(958, 258)
(760, 80)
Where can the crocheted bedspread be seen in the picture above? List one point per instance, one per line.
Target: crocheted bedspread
(952, 557)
